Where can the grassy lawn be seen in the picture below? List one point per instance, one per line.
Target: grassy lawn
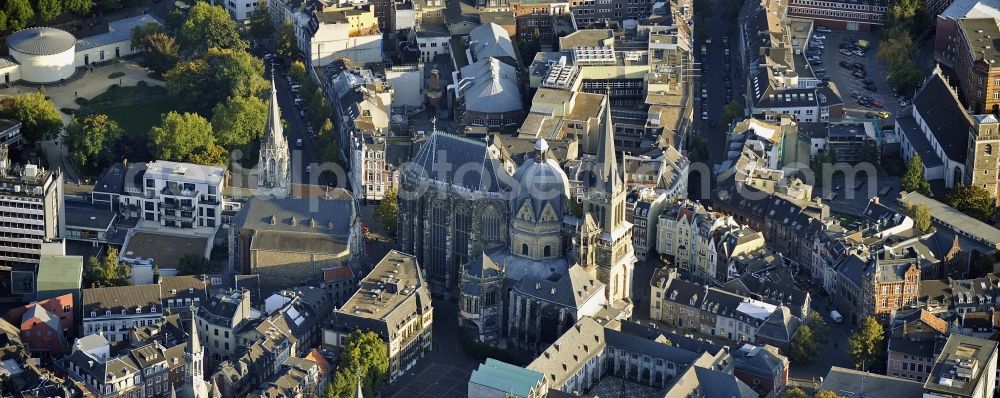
(135, 108)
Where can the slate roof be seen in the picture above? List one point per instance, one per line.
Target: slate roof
(942, 112)
(760, 360)
(326, 217)
(490, 40)
(780, 326)
(571, 290)
(118, 31)
(444, 148)
(849, 381)
(490, 86)
(119, 298)
(40, 41)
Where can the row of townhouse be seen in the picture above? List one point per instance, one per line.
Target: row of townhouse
(717, 312)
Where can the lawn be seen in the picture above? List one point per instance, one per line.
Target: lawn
(135, 108)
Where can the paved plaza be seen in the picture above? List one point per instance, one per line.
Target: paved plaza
(437, 381)
(613, 387)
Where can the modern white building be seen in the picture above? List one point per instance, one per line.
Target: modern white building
(31, 201)
(48, 55)
(175, 194)
(240, 10)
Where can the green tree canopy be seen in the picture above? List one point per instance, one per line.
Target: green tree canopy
(805, 345)
(826, 394)
(386, 212)
(202, 83)
(179, 136)
(19, 14)
(297, 71)
(732, 111)
(91, 141)
(210, 155)
(285, 45)
(866, 345)
(260, 23)
(192, 264)
(48, 9)
(160, 50)
(906, 76)
(913, 180)
(78, 7)
(239, 120)
(794, 392)
(364, 357)
(107, 271)
(972, 200)
(921, 216)
(209, 26)
(38, 116)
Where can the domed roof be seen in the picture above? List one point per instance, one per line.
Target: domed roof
(41, 41)
(541, 180)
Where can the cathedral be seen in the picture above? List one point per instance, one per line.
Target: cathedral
(195, 385)
(550, 267)
(274, 173)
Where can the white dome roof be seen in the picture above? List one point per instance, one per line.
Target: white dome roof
(41, 41)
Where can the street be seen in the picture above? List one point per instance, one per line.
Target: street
(712, 79)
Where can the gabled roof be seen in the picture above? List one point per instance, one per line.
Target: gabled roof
(490, 86)
(444, 148)
(938, 105)
(490, 40)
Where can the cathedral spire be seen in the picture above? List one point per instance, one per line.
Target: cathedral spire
(273, 132)
(608, 177)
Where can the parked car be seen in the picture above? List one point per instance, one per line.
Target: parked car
(858, 65)
(871, 88)
(878, 103)
(845, 65)
(819, 37)
(814, 62)
(883, 115)
(856, 95)
(823, 29)
(704, 116)
(819, 70)
(859, 53)
(298, 143)
(845, 52)
(860, 74)
(844, 45)
(870, 115)
(309, 168)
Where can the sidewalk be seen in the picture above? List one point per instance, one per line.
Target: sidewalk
(88, 86)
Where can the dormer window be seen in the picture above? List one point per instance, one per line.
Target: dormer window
(138, 310)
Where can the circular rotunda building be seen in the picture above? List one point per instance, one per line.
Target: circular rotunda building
(46, 55)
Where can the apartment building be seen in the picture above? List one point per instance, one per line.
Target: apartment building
(860, 16)
(913, 343)
(240, 10)
(966, 368)
(976, 71)
(31, 202)
(220, 320)
(178, 195)
(329, 32)
(376, 164)
(113, 311)
(393, 302)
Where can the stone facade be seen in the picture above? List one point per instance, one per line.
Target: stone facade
(984, 148)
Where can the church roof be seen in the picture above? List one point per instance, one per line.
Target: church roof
(444, 154)
(605, 174)
(273, 132)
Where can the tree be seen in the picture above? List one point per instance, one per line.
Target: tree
(210, 155)
(869, 153)
(109, 5)
(105, 272)
(179, 135)
(38, 116)
(318, 106)
(260, 23)
(805, 346)
(297, 71)
(699, 150)
(913, 180)
(906, 76)
(48, 9)
(794, 392)
(3, 20)
(188, 83)
(192, 264)
(364, 358)
(91, 140)
(866, 345)
(285, 45)
(972, 200)
(895, 49)
(732, 111)
(78, 7)
(386, 211)
(819, 326)
(327, 128)
(135, 3)
(239, 120)
(209, 26)
(160, 51)
(921, 216)
(202, 83)
(19, 14)
(826, 394)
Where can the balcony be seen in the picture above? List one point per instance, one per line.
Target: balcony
(178, 191)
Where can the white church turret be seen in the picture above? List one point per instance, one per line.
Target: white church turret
(274, 163)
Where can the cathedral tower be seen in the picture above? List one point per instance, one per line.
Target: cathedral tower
(538, 207)
(274, 162)
(194, 371)
(604, 200)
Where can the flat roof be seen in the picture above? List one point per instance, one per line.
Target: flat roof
(376, 299)
(60, 272)
(960, 365)
(86, 216)
(165, 250)
(847, 382)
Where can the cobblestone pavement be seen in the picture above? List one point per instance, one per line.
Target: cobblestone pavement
(437, 381)
(612, 387)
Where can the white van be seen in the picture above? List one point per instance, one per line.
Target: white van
(836, 317)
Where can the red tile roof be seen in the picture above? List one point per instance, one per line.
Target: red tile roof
(339, 273)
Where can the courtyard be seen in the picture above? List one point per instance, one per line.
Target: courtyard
(612, 387)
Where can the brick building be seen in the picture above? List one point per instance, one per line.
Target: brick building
(45, 325)
(975, 65)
